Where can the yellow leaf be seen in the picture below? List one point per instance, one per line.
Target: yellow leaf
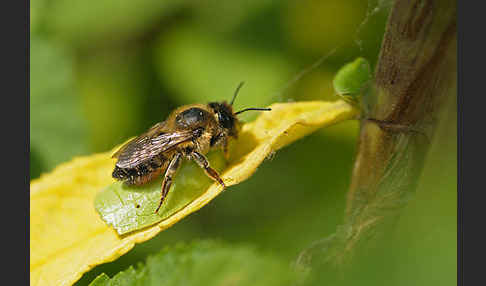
(67, 236)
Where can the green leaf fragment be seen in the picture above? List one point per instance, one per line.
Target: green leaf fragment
(204, 263)
(352, 79)
(129, 208)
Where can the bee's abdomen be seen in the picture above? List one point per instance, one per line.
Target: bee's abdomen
(140, 174)
(120, 173)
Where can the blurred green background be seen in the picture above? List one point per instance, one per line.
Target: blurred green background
(103, 71)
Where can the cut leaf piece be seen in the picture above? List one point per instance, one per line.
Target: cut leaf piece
(128, 208)
(68, 237)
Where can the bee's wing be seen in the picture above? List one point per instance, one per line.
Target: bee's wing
(139, 139)
(145, 147)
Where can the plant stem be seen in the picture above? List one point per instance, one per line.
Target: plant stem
(416, 73)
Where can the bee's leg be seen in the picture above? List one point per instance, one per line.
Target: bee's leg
(202, 161)
(225, 149)
(169, 173)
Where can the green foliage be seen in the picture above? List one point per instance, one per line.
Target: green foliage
(113, 89)
(129, 208)
(219, 66)
(83, 23)
(204, 263)
(55, 117)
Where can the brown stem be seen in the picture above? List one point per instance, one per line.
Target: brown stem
(416, 72)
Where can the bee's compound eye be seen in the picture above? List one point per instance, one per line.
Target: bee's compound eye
(225, 120)
(190, 117)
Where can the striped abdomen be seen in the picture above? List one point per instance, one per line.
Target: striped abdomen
(142, 173)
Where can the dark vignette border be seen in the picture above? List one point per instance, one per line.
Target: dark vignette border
(470, 212)
(15, 140)
(15, 23)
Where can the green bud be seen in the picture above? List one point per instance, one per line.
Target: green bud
(352, 79)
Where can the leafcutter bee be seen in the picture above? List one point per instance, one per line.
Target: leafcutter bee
(189, 132)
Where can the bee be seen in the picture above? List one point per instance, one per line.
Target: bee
(189, 132)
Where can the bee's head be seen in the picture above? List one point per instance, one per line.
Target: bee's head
(226, 117)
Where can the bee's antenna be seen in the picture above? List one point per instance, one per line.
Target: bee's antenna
(252, 108)
(236, 92)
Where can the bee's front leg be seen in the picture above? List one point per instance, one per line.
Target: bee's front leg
(169, 173)
(225, 149)
(202, 161)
